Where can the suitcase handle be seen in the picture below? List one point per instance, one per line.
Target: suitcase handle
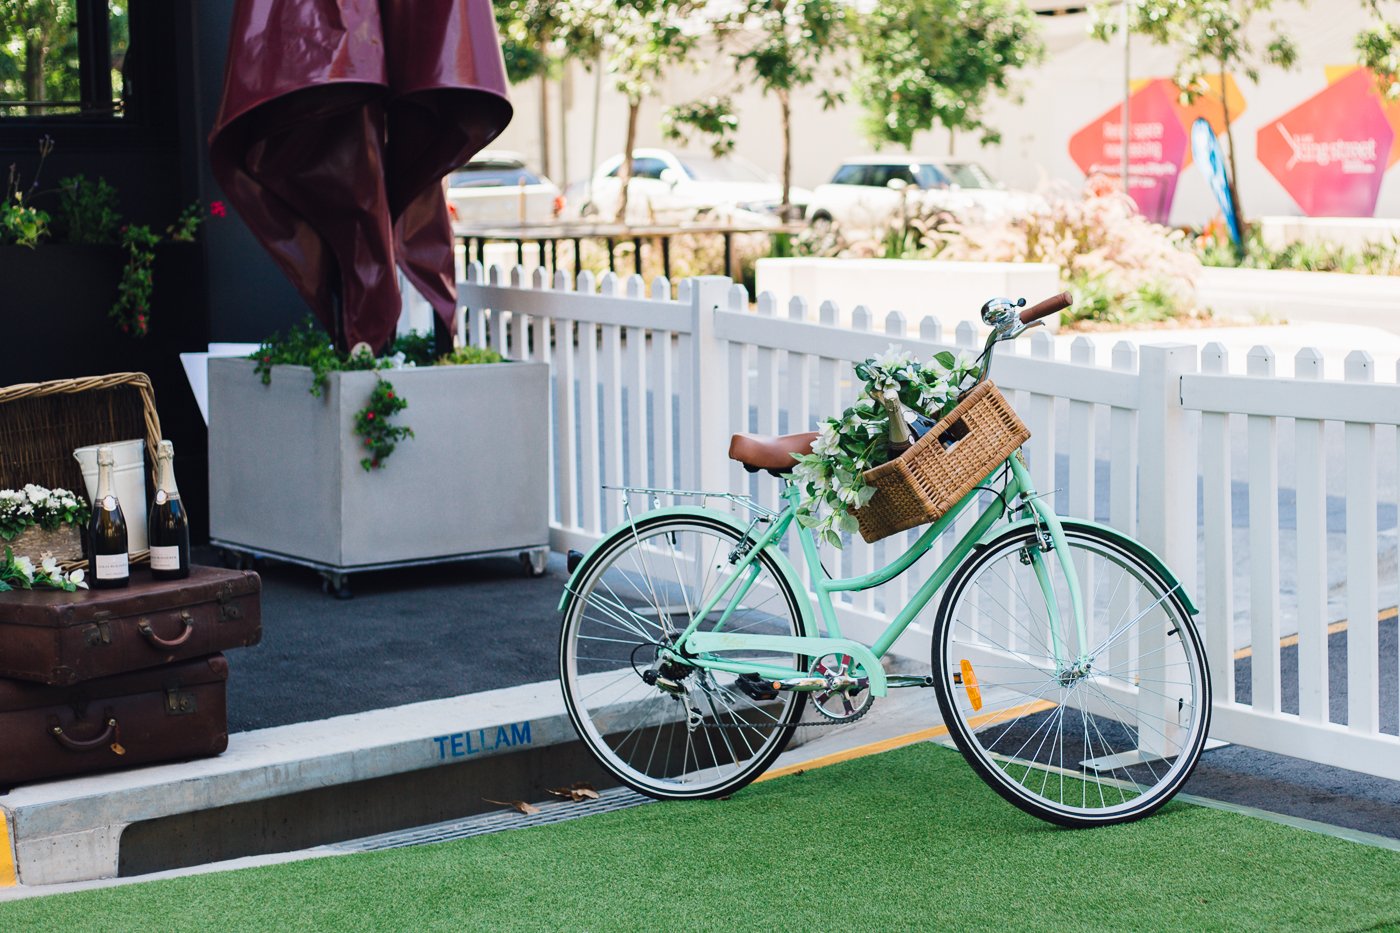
(86, 745)
(146, 629)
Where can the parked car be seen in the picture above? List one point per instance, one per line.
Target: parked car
(495, 187)
(672, 187)
(865, 192)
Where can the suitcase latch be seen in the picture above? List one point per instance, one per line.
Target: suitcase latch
(98, 633)
(179, 702)
(228, 610)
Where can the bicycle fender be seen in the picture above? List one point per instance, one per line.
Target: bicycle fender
(804, 603)
(1139, 550)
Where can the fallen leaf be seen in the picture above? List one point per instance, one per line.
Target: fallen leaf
(583, 791)
(519, 805)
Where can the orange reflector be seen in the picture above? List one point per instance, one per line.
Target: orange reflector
(969, 679)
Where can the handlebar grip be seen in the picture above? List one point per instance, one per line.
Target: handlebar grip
(1047, 307)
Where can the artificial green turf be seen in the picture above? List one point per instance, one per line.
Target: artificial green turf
(910, 839)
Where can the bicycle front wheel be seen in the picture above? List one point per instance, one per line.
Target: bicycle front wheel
(670, 729)
(1079, 728)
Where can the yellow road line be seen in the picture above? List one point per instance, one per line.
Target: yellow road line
(899, 741)
(7, 854)
(1288, 641)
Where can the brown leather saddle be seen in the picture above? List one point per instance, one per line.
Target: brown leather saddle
(767, 452)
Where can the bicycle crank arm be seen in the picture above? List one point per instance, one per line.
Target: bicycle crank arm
(837, 682)
(708, 642)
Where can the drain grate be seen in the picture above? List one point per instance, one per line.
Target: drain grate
(554, 811)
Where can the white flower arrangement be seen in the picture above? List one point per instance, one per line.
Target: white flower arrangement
(832, 476)
(20, 573)
(33, 505)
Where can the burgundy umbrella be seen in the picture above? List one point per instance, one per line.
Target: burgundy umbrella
(338, 121)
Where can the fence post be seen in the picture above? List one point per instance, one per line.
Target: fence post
(708, 386)
(1167, 451)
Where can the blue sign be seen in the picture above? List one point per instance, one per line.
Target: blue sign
(1205, 149)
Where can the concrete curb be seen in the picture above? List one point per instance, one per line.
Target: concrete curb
(71, 830)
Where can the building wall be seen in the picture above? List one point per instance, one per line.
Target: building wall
(1079, 80)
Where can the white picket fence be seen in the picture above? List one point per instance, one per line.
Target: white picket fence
(647, 391)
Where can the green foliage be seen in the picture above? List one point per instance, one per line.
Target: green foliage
(20, 573)
(416, 348)
(38, 50)
(470, 356)
(832, 477)
(21, 224)
(1100, 300)
(1378, 48)
(88, 211)
(132, 309)
(527, 29)
(1373, 258)
(21, 509)
(373, 426)
(306, 344)
(927, 62)
(712, 117)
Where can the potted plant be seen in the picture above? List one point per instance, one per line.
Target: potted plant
(348, 461)
(68, 251)
(36, 522)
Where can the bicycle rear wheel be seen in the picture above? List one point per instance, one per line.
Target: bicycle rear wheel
(673, 730)
(1079, 731)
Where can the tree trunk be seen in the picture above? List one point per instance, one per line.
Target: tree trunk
(35, 53)
(785, 103)
(1232, 184)
(544, 116)
(624, 171)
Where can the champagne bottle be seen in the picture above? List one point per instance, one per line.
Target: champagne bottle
(169, 526)
(899, 439)
(107, 531)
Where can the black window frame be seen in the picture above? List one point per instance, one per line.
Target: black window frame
(148, 113)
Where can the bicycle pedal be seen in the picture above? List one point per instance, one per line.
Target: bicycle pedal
(755, 687)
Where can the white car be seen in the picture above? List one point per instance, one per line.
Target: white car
(495, 188)
(673, 187)
(865, 193)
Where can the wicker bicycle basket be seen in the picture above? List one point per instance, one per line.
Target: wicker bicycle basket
(41, 423)
(931, 478)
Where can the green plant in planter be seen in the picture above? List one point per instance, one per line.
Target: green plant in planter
(22, 509)
(20, 573)
(306, 344)
(87, 213)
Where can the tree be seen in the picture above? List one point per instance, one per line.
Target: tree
(1379, 49)
(1212, 36)
(640, 40)
(42, 28)
(785, 41)
(936, 61)
(528, 29)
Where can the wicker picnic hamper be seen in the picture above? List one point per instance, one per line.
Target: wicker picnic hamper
(930, 478)
(42, 423)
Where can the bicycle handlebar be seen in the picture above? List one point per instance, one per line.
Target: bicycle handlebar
(1047, 307)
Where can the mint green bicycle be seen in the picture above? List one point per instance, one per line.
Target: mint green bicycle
(1065, 661)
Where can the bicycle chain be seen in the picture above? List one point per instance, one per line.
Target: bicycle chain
(798, 725)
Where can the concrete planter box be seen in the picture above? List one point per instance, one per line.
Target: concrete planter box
(918, 288)
(285, 478)
(1288, 295)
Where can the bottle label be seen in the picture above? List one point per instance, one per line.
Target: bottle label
(165, 558)
(109, 503)
(161, 497)
(110, 567)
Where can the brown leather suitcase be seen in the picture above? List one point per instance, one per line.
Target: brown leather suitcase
(55, 637)
(162, 714)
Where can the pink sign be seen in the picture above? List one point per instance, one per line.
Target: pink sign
(1157, 148)
(1331, 151)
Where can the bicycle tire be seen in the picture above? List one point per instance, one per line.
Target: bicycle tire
(635, 729)
(1107, 735)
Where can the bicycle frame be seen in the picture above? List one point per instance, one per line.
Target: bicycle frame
(702, 649)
